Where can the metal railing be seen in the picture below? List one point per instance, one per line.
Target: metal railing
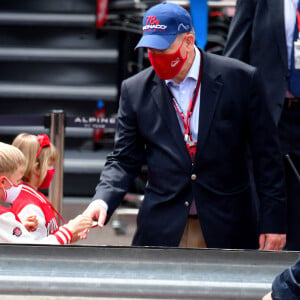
(156, 273)
(57, 137)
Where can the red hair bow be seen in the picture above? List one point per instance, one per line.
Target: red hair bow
(44, 141)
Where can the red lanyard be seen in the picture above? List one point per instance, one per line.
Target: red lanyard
(188, 138)
(57, 213)
(298, 18)
(298, 22)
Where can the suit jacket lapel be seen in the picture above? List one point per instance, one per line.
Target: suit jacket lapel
(163, 100)
(211, 86)
(276, 14)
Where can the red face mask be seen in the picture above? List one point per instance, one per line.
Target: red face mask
(167, 66)
(47, 180)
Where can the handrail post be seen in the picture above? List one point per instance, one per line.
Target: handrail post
(57, 136)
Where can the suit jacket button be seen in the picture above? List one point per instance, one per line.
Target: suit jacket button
(194, 177)
(186, 203)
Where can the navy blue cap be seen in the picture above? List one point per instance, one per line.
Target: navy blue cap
(161, 25)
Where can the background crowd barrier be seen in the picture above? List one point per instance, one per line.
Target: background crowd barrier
(144, 273)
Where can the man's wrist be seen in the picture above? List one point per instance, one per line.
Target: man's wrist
(100, 202)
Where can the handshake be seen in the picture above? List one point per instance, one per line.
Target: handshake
(94, 215)
(75, 229)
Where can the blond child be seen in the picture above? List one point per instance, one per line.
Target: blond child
(40, 157)
(12, 163)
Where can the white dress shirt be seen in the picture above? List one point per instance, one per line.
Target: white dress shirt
(183, 94)
(290, 7)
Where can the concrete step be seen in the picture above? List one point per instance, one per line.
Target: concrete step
(58, 55)
(48, 91)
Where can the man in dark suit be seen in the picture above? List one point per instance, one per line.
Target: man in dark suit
(261, 34)
(191, 116)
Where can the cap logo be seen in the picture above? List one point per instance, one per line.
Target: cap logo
(153, 23)
(185, 27)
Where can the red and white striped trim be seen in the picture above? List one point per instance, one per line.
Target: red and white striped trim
(63, 235)
(33, 192)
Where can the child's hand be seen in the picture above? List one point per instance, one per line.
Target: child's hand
(78, 225)
(31, 223)
(83, 235)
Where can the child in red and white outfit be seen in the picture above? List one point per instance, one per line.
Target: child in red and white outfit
(12, 164)
(40, 156)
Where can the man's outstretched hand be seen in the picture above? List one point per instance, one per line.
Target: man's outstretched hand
(97, 212)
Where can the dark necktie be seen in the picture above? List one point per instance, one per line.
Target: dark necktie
(294, 80)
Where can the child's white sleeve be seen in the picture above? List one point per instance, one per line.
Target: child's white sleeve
(12, 231)
(33, 210)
